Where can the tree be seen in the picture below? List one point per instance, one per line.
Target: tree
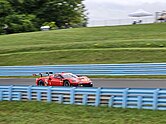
(65, 13)
(29, 15)
(5, 10)
(17, 5)
(20, 23)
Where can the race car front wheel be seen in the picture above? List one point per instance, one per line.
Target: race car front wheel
(66, 83)
(40, 83)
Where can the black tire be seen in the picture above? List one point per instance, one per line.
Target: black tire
(66, 83)
(40, 83)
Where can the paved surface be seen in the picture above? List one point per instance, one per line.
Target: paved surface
(114, 83)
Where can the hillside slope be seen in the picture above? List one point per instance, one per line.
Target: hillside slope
(119, 44)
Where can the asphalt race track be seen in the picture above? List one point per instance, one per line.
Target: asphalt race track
(109, 83)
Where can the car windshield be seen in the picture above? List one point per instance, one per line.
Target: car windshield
(69, 75)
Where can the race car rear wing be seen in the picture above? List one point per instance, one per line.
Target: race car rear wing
(41, 74)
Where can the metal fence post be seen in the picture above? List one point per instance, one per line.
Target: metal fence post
(155, 99)
(29, 94)
(111, 101)
(19, 96)
(49, 97)
(124, 101)
(139, 103)
(97, 101)
(38, 95)
(84, 99)
(1, 95)
(60, 99)
(72, 96)
(10, 93)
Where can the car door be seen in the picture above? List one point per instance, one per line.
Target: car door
(57, 81)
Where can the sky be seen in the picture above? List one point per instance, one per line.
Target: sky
(119, 9)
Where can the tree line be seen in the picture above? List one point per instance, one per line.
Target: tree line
(29, 15)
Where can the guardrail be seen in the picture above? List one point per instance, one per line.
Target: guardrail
(88, 69)
(139, 98)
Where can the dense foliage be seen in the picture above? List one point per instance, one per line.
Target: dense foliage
(29, 15)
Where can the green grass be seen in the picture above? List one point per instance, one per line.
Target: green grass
(52, 113)
(118, 44)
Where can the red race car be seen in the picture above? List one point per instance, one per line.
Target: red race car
(63, 79)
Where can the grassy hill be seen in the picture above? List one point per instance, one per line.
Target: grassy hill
(52, 113)
(118, 44)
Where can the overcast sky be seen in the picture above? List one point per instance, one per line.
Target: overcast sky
(119, 9)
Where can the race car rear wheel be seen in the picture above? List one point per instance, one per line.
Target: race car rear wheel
(40, 83)
(66, 83)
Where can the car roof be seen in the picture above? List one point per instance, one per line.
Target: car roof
(65, 73)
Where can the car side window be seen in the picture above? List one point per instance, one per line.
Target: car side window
(57, 76)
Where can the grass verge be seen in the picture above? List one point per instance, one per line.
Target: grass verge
(97, 56)
(52, 113)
